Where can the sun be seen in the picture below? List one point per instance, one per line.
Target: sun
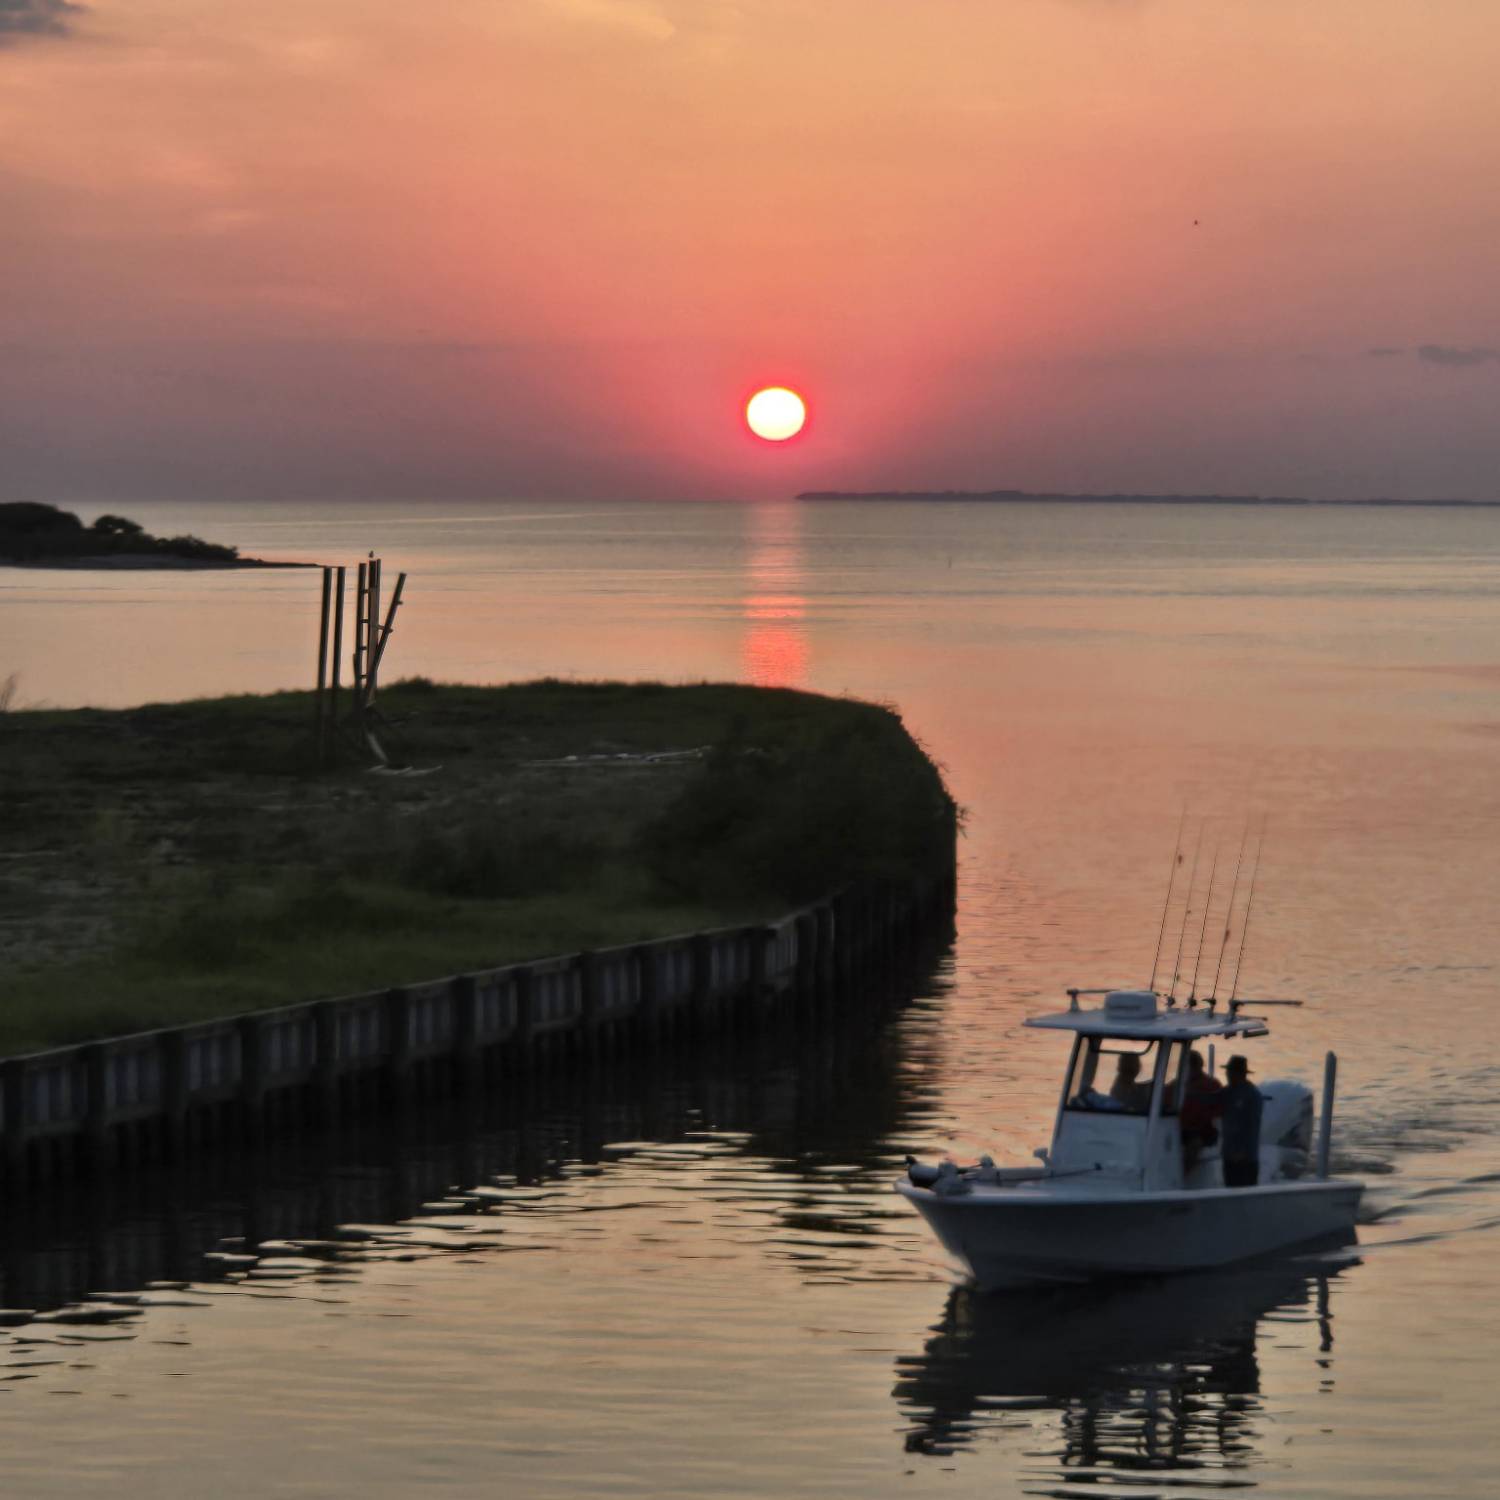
(775, 413)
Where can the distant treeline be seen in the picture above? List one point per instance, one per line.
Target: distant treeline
(1034, 496)
(32, 532)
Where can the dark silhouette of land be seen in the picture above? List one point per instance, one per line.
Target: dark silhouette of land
(36, 535)
(1029, 497)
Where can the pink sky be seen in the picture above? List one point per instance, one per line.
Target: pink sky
(537, 247)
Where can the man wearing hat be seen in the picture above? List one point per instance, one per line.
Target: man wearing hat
(1240, 1104)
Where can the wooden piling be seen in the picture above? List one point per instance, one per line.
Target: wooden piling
(807, 950)
(372, 629)
(759, 938)
(648, 1006)
(325, 1084)
(319, 704)
(338, 646)
(247, 1071)
(385, 630)
(13, 1081)
(588, 989)
(525, 1036)
(466, 1053)
(361, 616)
(174, 1094)
(398, 1066)
(96, 1109)
(703, 972)
(252, 1094)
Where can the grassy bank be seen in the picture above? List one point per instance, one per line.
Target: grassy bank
(188, 860)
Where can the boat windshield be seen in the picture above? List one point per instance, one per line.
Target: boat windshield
(1114, 1075)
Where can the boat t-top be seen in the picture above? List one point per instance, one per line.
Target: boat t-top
(1124, 1188)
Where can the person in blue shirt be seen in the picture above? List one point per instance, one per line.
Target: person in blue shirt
(1238, 1105)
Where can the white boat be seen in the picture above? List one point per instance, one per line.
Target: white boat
(1119, 1192)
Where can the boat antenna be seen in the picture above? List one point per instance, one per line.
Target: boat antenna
(1239, 861)
(1171, 878)
(1187, 907)
(1208, 903)
(1260, 845)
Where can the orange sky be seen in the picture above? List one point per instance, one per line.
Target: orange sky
(532, 247)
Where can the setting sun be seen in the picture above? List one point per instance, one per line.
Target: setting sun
(775, 413)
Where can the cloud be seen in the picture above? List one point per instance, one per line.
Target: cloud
(1457, 359)
(637, 17)
(20, 18)
(1450, 356)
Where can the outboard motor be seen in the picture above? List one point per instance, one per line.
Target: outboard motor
(1286, 1129)
(947, 1178)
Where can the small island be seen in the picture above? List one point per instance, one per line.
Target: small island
(37, 535)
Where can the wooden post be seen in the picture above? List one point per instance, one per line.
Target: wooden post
(703, 1002)
(326, 1062)
(96, 1111)
(760, 983)
(13, 1073)
(372, 628)
(361, 613)
(465, 999)
(588, 987)
(525, 1015)
(174, 1093)
(398, 1045)
(843, 931)
(338, 646)
(319, 705)
(252, 1076)
(648, 1007)
(385, 631)
(827, 939)
(807, 949)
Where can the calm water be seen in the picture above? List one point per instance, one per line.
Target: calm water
(696, 1281)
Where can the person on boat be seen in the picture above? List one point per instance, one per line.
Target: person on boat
(1238, 1107)
(1200, 1106)
(1127, 1091)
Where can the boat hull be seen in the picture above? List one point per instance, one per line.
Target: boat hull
(1026, 1237)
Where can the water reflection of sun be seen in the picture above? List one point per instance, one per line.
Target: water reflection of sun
(774, 651)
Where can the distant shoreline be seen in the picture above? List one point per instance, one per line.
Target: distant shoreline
(1030, 497)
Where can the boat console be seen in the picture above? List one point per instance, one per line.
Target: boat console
(1126, 1085)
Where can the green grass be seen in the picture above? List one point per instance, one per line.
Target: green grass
(191, 860)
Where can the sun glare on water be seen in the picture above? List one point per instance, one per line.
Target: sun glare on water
(775, 414)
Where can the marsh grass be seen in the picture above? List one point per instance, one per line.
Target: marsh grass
(237, 875)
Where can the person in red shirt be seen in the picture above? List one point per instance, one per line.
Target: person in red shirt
(1200, 1108)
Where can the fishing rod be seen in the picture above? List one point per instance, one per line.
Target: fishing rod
(1208, 904)
(1187, 907)
(1260, 845)
(1171, 877)
(1239, 860)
